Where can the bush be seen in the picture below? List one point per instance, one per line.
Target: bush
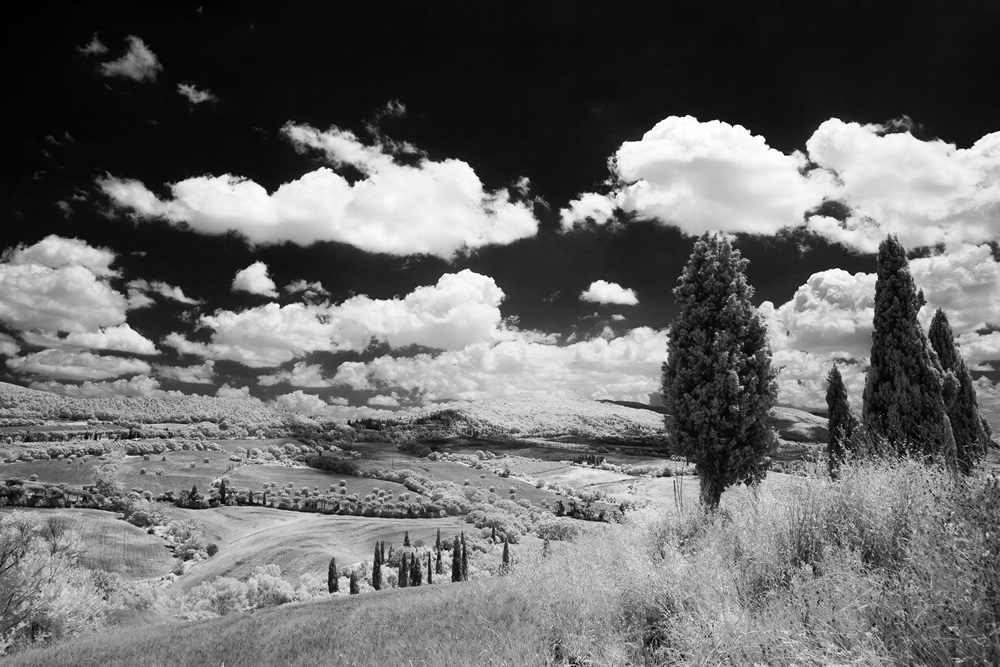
(212, 549)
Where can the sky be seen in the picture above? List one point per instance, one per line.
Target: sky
(390, 208)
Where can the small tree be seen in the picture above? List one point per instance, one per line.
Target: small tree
(332, 585)
(456, 560)
(718, 382)
(430, 570)
(404, 570)
(416, 575)
(439, 567)
(437, 542)
(840, 420)
(971, 440)
(355, 587)
(222, 491)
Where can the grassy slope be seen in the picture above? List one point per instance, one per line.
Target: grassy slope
(297, 542)
(111, 544)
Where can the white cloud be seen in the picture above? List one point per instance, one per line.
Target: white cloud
(8, 346)
(965, 283)
(302, 403)
(56, 252)
(588, 206)
(140, 385)
(240, 394)
(93, 48)
(139, 288)
(76, 365)
(139, 62)
(601, 291)
(300, 375)
(59, 285)
(200, 374)
(121, 338)
(462, 308)
(193, 95)
(434, 207)
(926, 192)
(254, 279)
(707, 176)
(627, 367)
(383, 401)
(313, 289)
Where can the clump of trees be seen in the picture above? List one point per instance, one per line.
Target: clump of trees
(718, 381)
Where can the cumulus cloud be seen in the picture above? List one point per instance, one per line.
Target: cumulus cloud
(436, 208)
(300, 375)
(254, 279)
(383, 401)
(139, 63)
(601, 291)
(199, 374)
(193, 95)
(59, 285)
(704, 176)
(240, 394)
(140, 385)
(302, 403)
(8, 346)
(626, 367)
(76, 365)
(121, 338)
(139, 289)
(461, 308)
(707, 176)
(926, 192)
(300, 286)
(93, 48)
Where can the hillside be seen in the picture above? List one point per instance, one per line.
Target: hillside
(20, 406)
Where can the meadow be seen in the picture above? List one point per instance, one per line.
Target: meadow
(892, 564)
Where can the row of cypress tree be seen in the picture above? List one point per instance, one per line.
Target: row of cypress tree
(919, 396)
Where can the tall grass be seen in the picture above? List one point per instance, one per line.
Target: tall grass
(892, 564)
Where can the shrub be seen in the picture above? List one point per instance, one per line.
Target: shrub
(212, 549)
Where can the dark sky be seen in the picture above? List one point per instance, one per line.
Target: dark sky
(544, 91)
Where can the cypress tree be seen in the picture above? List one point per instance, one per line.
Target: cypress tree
(903, 399)
(961, 402)
(222, 491)
(404, 571)
(456, 560)
(430, 571)
(493, 533)
(355, 587)
(416, 575)
(718, 382)
(505, 561)
(465, 559)
(377, 569)
(383, 551)
(840, 420)
(406, 539)
(438, 567)
(332, 584)
(437, 542)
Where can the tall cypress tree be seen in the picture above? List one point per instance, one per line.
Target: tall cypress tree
(355, 586)
(377, 569)
(718, 382)
(332, 584)
(465, 559)
(505, 560)
(456, 560)
(903, 399)
(962, 404)
(438, 567)
(416, 575)
(404, 570)
(430, 571)
(840, 420)
(437, 542)
(406, 538)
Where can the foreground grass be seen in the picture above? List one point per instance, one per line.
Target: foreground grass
(894, 564)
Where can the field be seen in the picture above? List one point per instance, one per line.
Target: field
(298, 542)
(255, 476)
(113, 545)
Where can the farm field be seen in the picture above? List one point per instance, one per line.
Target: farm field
(299, 543)
(111, 544)
(255, 476)
(383, 455)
